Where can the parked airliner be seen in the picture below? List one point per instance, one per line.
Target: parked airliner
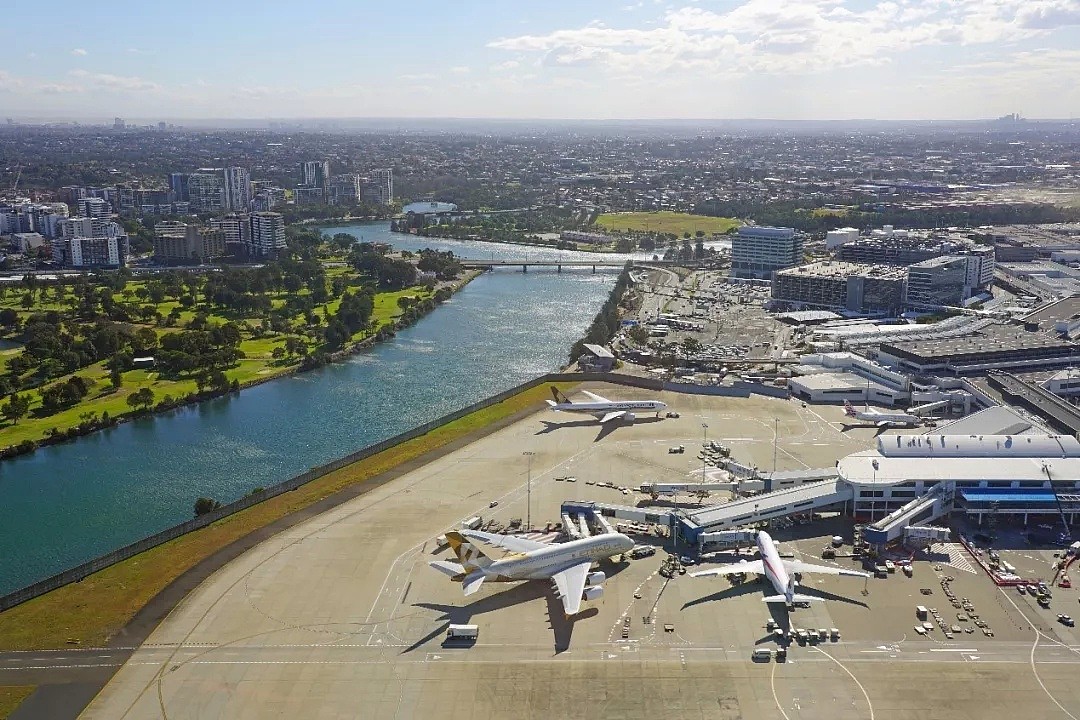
(882, 419)
(779, 572)
(565, 564)
(603, 409)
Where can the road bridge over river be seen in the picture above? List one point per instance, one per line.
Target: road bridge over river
(525, 264)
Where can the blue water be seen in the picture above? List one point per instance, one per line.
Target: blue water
(68, 503)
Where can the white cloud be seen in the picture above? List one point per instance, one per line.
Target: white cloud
(9, 81)
(118, 83)
(419, 77)
(783, 37)
(79, 52)
(460, 69)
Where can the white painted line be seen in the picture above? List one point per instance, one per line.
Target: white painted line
(967, 650)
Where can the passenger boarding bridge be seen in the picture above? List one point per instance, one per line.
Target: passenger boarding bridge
(900, 483)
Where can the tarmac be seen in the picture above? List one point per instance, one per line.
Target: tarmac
(339, 617)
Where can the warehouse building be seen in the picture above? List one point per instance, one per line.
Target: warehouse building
(992, 347)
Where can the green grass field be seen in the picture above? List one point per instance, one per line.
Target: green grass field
(257, 365)
(665, 222)
(89, 612)
(11, 696)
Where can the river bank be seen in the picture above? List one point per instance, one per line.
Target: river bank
(92, 611)
(85, 419)
(69, 502)
(523, 243)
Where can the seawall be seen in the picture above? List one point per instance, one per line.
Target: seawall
(79, 572)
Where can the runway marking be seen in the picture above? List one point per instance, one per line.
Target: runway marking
(865, 694)
(957, 559)
(1034, 646)
(772, 684)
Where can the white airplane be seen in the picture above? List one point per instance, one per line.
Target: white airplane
(781, 573)
(565, 564)
(882, 419)
(603, 409)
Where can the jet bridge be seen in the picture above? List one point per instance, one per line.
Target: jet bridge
(926, 508)
(804, 498)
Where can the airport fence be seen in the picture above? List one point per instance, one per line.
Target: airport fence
(97, 564)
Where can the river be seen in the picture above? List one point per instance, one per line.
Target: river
(68, 503)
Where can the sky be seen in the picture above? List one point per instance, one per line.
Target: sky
(558, 59)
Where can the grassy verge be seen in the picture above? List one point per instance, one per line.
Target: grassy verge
(11, 696)
(665, 222)
(92, 611)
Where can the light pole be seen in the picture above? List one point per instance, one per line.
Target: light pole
(528, 492)
(775, 437)
(704, 445)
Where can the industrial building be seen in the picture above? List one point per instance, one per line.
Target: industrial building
(841, 285)
(758, 252)
(1050, 278)
(991, 347)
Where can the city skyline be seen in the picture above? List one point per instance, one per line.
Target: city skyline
(800, 60)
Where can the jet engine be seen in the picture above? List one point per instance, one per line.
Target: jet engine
(593, 593)
(596, 578)
(630, 417)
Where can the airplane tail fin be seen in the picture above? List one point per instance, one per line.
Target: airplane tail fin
(559, 397)
(469, 556)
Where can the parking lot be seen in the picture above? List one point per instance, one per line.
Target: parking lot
(727, 318)
(341, 617)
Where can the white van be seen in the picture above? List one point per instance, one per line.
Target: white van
(762, 655)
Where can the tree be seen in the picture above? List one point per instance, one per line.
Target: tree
(638, 334)
(204, 505)
(141, 398)
(691, 346)
(16, 407)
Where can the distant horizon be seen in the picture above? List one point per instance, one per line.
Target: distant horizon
(450, 119)
(787, 59)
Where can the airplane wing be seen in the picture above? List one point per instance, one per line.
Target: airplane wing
(571, 584)
(754, 566)
(802, 567)
(595, 397)
(504, 542)
(608, 417)
(884, 423)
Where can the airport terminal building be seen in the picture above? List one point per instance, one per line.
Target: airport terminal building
(1015, 474)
